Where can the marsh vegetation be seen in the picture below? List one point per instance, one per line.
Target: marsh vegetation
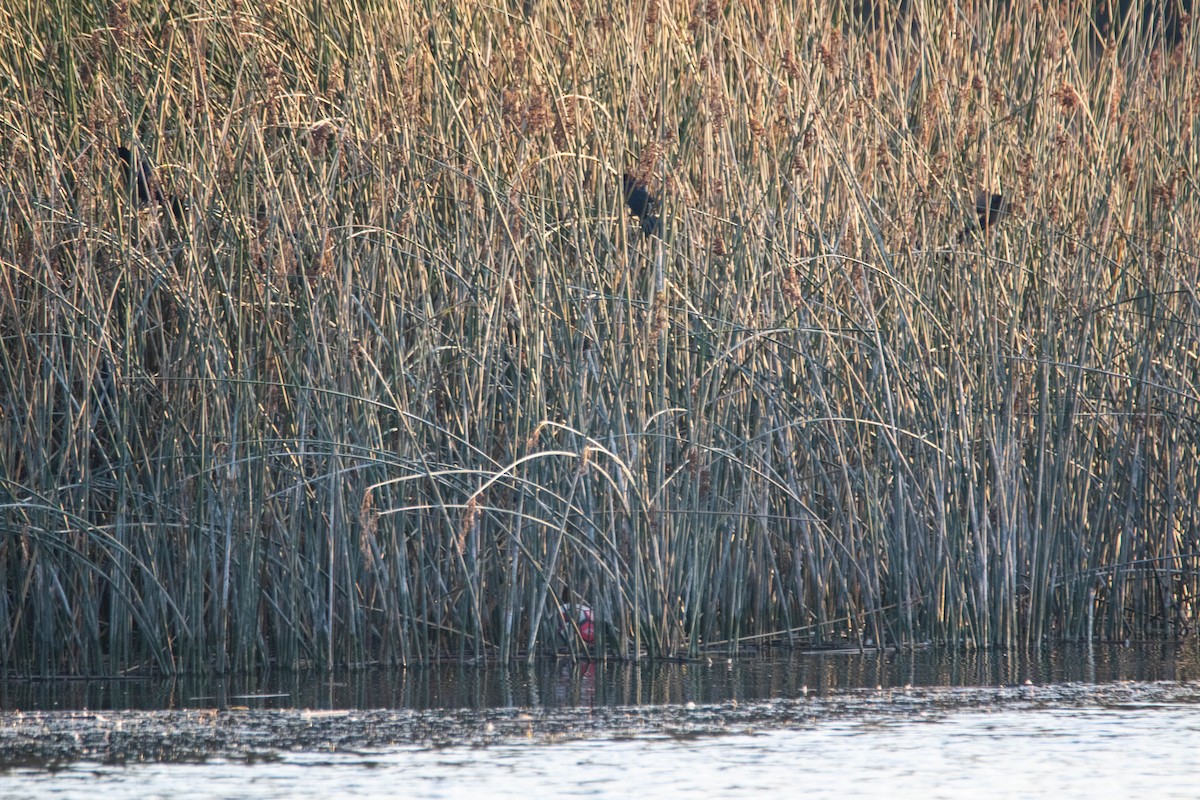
(371, 364)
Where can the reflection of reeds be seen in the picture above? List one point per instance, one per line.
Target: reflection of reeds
(403, 378)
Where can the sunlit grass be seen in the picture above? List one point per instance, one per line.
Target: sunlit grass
(399, 371)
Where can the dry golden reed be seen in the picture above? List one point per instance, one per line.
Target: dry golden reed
(378, 365)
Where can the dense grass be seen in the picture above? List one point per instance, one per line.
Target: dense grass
(404, 370)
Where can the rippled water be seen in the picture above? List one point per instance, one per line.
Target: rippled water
(1112, 723)
(1059, 753)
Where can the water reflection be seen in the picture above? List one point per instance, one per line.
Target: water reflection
(565, 684)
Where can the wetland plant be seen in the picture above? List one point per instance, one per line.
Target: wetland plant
(406, 376)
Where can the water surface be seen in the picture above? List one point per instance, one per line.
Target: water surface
(568, 684)
(1109, 722)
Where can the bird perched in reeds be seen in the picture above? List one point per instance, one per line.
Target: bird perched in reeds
(990, 210)
(642, 204)
(141, 187)
(139, 177)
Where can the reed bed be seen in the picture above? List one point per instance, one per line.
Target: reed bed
(381, 370)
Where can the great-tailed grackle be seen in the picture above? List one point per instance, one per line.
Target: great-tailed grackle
(642, 204)
(140, 186)
(139, 179)
(991, 208)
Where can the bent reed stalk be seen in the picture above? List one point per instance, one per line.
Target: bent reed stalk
(394, 372)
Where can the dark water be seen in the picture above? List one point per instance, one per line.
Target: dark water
(562, 684)
(1073, 722)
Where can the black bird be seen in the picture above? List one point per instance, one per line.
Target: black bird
(991, 209)
(139, 179)
(642, 204)
(139, 184)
